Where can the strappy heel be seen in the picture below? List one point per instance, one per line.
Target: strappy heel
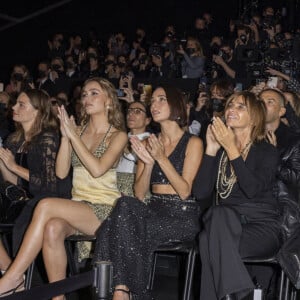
(20, 287)
(124, 291)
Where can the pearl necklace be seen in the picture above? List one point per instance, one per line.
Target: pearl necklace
(225, 183)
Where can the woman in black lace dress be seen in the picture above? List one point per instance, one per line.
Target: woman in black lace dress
(27, 159)
(167, 165)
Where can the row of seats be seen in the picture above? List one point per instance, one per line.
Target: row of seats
(188, 251)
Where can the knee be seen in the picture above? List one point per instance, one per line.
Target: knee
(54, 231)
(42, 207)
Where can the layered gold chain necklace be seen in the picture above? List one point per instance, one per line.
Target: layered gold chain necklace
(225, 183)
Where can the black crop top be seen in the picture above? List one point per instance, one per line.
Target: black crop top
(176, 158)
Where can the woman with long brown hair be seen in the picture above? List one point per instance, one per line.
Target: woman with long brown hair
(27, 158)
(93, 150)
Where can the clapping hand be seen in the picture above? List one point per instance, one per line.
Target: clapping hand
(67, 124)
(222, 133)
(212, 144)
(155, 147)
(140, 150)
(7, 157)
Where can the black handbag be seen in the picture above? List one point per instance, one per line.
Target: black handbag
(12, 200)
(289, 258)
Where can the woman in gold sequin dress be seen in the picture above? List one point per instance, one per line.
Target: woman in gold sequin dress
(93, 150)
(241, 166)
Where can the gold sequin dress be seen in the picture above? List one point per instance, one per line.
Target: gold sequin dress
(100, 193)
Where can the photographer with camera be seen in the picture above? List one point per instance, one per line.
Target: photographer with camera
(19, 80)
(226, 65)
(193, 60)
(141, 66)
(162, 65)
(117, 45)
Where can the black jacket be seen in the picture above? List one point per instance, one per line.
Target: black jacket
(288, 174)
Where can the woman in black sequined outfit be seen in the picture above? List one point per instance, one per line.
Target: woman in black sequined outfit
(167, 165)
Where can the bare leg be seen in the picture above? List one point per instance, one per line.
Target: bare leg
(54, 252)
(5, 260)
(77, 214)
(121, 295)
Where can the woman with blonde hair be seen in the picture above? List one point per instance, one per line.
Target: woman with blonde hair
(193, 62)
(93, 150)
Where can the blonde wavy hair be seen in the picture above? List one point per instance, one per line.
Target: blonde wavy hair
(115, 115)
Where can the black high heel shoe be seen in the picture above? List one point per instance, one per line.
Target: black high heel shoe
(19, 288)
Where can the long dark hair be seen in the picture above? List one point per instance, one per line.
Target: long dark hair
(45, 119)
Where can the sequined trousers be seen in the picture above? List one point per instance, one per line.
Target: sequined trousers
(134, 229)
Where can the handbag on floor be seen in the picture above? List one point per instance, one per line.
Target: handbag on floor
(12, 200)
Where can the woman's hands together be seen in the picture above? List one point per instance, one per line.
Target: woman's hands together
(148, 151)
(68, 127)
(8, 158)
(218, 134)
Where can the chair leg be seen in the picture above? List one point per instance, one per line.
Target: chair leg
(282, 279)
(287, 287)
(189, 275)
(28, 279)
(70, 257)
(152, 273)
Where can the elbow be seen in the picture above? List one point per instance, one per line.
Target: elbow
(96, 173)
(138, 193)
(61, 175)
(185, 194)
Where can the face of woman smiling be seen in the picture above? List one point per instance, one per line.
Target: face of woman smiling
(237, 114)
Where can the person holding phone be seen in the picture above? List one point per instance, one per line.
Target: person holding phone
(192, 64)
(238, 171)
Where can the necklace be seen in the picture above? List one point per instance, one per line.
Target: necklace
(225, 183)
(245, 150)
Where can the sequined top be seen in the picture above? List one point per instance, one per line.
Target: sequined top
(97, 190)
(176, 158)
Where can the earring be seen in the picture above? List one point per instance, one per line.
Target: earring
(107, 108)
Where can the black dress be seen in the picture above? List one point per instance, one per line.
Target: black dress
(134, 229)
(245, 224)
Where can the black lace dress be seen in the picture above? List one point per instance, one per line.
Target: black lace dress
(134, 229)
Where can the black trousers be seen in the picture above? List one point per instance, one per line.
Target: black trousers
(230, 234)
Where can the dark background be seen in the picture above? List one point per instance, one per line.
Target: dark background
(26, 42)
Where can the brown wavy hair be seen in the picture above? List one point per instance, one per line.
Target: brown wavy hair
(45, 119)
(115, 115)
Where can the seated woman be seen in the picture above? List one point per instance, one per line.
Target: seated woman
(241, 166)
(137, 118)
(27, 159)
(93, 151)
(168, 164)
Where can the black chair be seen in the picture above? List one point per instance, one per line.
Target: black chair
(285, 293)
(69, 244)
(6, 231)
(189, 250)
